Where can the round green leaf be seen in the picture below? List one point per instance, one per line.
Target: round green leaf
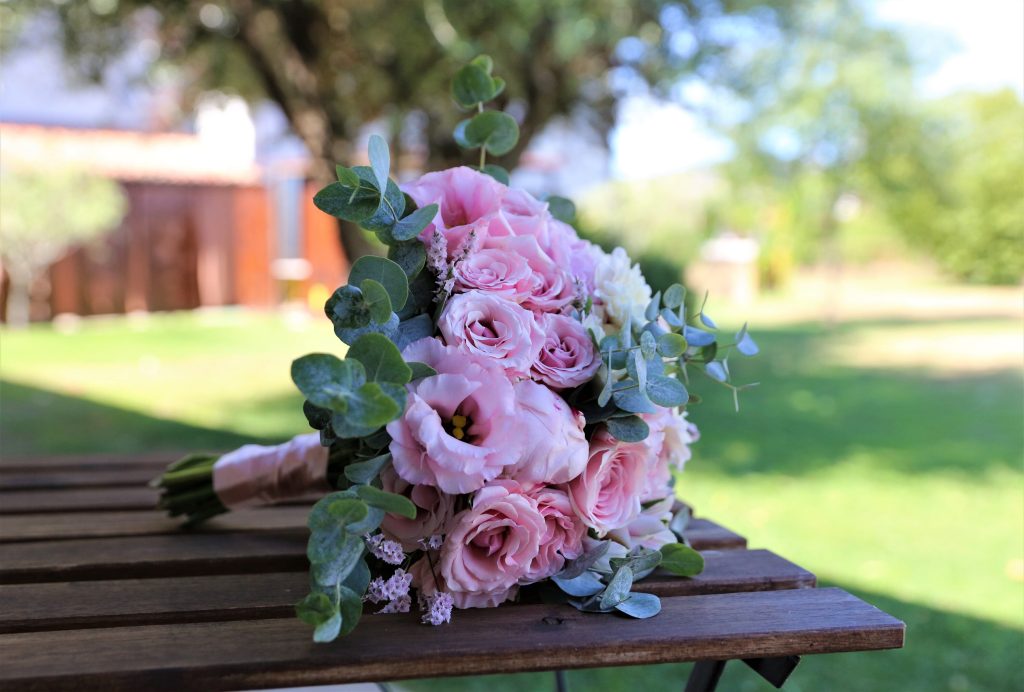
(347, 309)
(385, 272)
(681, 560)
(377, 301)
(327, 381)
(496, 172)
(671, 345)
(380, 358)
(410, 256)
(666, 391)
(562, 209)
(497, 132)
(413, 224)
(389, 502)
(472, 85)
(344, 201)
(362, 472)
(674, 296)
(628, 429)
(640, 605)
(484, 62)
(618, 588)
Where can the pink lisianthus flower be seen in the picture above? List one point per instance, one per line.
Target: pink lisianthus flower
(494, 271)
(492, 545)
(563, 537)
(488, 326)
(459, 426)
(650, 529)
(433, 510)
(555, 449)
(606, 495)
(568, 357)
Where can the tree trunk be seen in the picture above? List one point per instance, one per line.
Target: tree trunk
(19, 299)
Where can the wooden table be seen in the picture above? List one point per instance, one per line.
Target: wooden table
(100, 591)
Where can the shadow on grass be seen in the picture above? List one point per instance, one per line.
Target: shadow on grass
(807, 415)
(36, 421)
(944, 651)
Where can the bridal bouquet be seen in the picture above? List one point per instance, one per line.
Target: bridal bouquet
(507, 415)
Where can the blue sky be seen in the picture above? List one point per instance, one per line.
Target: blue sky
(985, 51)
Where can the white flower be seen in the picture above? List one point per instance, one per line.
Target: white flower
(621, 288)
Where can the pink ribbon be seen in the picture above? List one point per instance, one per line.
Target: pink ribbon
(256, 475)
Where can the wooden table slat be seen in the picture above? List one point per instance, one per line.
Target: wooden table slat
(94, 477)
(87, 462)
(178, 553)
(82, 604)
(277, 653)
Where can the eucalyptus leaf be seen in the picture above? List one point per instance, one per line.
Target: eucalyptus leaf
(348, 202)
(628, 429)
(651, 313)
(562, 209)
(707, 321)
(716, 371)
(746, 345)
(648, 345)
(380, 160)
(381, 359)
(347, 308)
(698, 337)
(388, 211)
(495, 131)
(681, 560)
(671, 345)
(371, 406)
(363, 472)
(327, 381)
(413, 224)
(339, 562)
(377, 301)
(634, 400)
(472, 85)
(382, 270)
(618, 588)
(585, 561)
(315, 609)
(666, 391)
(328, 630)
(414, 329)
(484, 62)
(671, 318)
(350, 605)
(388, 329)
(420, 370)
(640, 605)
(391, 503)
(585, 584)
(642, 561)
(495, 171)
(459, 135)
(410, 256)
(674, 296)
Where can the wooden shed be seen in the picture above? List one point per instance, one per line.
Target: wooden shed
(200, 230)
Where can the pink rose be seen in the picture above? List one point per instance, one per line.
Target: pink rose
(433, 510)
(563, 537)
(555, 449)
(428, 581)
(551, 288)
(650, 529)
(492, 545)
(488, 326)
(494, 271)
(459, 426)
(607, 494)
(568, 357)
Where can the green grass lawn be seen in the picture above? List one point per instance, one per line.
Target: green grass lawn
(900, 482)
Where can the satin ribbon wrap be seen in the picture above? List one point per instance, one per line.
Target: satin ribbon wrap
(256, 475)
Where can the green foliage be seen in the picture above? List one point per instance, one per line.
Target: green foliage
(45, 213)
(681, 560)
(592, 587)
(493, 132)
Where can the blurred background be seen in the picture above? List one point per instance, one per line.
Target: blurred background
(847, 176)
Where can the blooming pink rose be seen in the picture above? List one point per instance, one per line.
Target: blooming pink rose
(428, 581)
(492, 545)
(607, 494)
(568, 250)
(650, 529)
(485, 325)
(424, 445)
(494, 271)
(563, 539)
(433, 510)
(568, 357)
(555, 449)
(551, 287)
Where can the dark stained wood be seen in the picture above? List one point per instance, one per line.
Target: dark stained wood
(81, 462)
(173, 552)
(123, 601)
(275, 653)
(53, 526)
(89, 478)
(77, 499)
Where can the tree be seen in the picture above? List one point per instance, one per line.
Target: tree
(335, 65)
(44, 213)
